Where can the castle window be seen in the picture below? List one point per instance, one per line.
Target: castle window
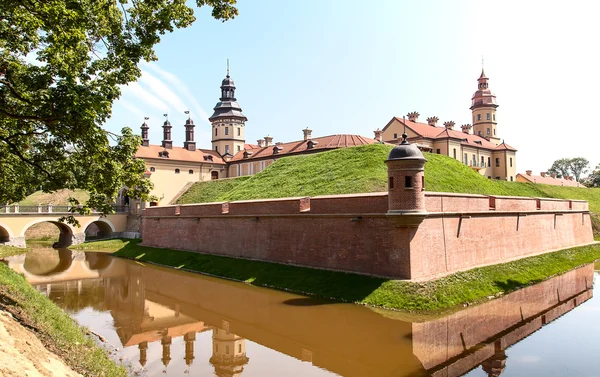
(439, 151)
(226, 146)
(152, 169)
(465, 159)
(454, 153)
(498, 178)
(422, 183)
(511, 178)
(479, 133)
(239, 131)
(226, 130)
(176, 171)
(494, 117)
(390, 183)
(488, 131)
(497, 162)
(216, 148)
(239, 148)
(191, 171)
(214, 175)
(395, 136)
(489, 161)
(216, 131)
(482, 161)
(511, 162)
(489, 177)
(478, 116)
(239, 348)
(487, 116)
(408, 181)
(494, 132)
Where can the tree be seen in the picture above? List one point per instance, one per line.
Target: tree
(578, 166)
(52, 109)
(593, 180)
(560, 167)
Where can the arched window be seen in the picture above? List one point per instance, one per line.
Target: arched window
(176, 171)
(152, 169)
(191, 171)
(478, 116)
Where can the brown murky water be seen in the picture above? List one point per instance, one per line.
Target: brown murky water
(167, 322)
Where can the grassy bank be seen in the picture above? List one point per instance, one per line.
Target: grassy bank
(57, 198)
(452, 291)
(57, 331)
(361, 169)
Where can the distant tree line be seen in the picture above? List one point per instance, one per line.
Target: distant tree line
(576, 167)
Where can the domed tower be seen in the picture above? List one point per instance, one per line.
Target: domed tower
(406, 184)
(228, 121)
(189, 143)
(229, 353)
(483, 107)
(145, 138)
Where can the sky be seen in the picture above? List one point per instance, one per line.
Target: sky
(344, 66)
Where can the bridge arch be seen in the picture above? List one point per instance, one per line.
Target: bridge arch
(5, 233)
(67, 231)
(103, 228)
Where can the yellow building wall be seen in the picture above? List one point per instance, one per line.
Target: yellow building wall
(396, 129)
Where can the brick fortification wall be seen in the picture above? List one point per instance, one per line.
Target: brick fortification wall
(355, 233)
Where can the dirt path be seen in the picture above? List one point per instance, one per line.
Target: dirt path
(22, 354)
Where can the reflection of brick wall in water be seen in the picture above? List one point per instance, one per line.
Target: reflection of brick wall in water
(354, 232)
(453, 345)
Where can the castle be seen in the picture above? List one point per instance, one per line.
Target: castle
(173, 169)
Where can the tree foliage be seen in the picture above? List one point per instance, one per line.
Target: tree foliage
(62, 63)
(565, 167)
(593, 180)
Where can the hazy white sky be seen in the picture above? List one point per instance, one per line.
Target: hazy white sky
(340, 66)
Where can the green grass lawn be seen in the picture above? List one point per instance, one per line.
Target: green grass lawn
(443, 294)
(51, 325)
(362, 169)
(58, 198)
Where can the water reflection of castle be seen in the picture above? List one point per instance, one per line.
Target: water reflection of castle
(151, 305)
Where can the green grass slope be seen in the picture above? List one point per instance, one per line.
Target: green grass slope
(361, 169)
(58, 198)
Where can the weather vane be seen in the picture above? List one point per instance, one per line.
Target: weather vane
(188, 113)
(227, 67)
(146, 118)
(166, 115)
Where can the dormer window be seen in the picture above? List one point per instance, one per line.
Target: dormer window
(208, 158)
(277, 149)
(247, 154)
(311, 144)
(152, 169)
(163, 154)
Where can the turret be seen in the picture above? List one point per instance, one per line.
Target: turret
(167, 143)
(189, 143)
(406, 184)
(145, 139)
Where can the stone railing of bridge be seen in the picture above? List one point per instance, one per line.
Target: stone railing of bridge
(49, 208)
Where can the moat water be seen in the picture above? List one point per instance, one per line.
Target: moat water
(160, 321)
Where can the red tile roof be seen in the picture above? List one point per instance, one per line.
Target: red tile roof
(250, 146)
(548, 180)
(179, 154)
(436, 133)
(296, 147)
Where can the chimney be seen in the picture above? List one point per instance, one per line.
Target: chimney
(449, 125)
(268, 141)
(145, 140)
(261, 143)
(528, 172)
(543, 174)
(378, 133)
(307, 133)
(413, 116)
(167, 143)
(432, 121)
(466, 128)
(553, 175)
(189, 143)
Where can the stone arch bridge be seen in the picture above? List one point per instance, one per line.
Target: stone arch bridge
(14, 224)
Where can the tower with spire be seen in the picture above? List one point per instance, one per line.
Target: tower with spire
(228, 121)
(483, 107)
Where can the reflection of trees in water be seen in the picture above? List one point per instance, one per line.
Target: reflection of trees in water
(74, 296)
(41, 261)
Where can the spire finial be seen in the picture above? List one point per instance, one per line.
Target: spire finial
(188, 114)
(166, 115)
(227, 67)
(404, 135)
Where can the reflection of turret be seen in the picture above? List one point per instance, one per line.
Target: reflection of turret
(189, 347)
(494, 366)
(166, 351)
(143, 347)
(229, 353)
